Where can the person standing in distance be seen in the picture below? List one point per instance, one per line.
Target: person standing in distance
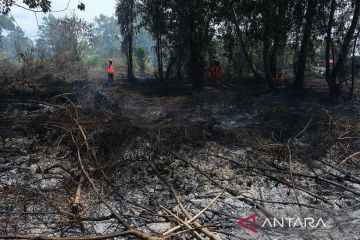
(111, 71)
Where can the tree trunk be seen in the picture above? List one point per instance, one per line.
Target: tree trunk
(353, 66)
(179, 76)
(130, 59)
(237, 64)
(159, 41)
(328, 37)
(170, 66)
(266, 62)
(273, 60)
(196, 65)
(280, 36)
(305, 43)
(196, 61)
(159, 56)
(267, 45)
(243, 46)
(130, 41)
(333, 86)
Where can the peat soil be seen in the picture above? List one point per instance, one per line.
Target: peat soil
(271, 154)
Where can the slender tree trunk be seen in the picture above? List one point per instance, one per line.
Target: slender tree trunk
(159, 57)
(331, 82)
(196, 61)
(267, 45)
(179, 76)
(333, 54)
(353, 66)
(280, 52)
(130, 59)
(333, 86)
(170, 66)
(196, 65)
(130, 42)
(266, 62)
(280, 36)
(305, 43)
(243, 46)
(328, 37)
(237, 65)
(159, 40)
(273, 60)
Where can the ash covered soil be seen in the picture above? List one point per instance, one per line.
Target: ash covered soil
(72, 153)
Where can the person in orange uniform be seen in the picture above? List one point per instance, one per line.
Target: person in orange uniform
(111, 71)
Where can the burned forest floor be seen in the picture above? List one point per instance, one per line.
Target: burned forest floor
(132, 161)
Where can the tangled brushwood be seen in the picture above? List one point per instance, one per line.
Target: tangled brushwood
(96, 162)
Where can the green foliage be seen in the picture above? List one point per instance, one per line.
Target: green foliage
(184, 36)
(126, 15)
(106, 43)
(64, 38)
(93, 60)
(144, 39)
(141, 55)
(13, 42)
(43, 5)
(216, 49)
(106, 36)
(6, 23)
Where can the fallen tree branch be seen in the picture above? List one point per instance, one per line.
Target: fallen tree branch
(197, 215)
(185, 223)
(293, 186)
(233, 192)
(349, 157)
(182, 208)
(131, 230)
(40, 237)
(75, 207)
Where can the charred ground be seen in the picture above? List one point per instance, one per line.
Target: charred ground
(87, 159)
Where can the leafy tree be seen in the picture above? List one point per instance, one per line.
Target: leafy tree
(344, 49)
(144, 39)
(155, 21)
(43, 5)
(186, 29)
(305, 43)
(6, 23)
(106, 36)
(125, 11)
(259, 35)
(64, 38)
(34, 5)
(14, 42)
(140, 53)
